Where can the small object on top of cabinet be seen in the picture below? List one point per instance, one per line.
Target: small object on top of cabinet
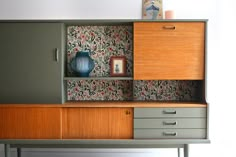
(152, 9)
(82, 64)
(169, 14)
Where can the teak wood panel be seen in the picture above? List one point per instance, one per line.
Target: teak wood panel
(30, 123)
(169, 50)
(97, 123)
(114, 104)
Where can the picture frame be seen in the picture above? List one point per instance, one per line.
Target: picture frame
(117, 66)
(152, 9)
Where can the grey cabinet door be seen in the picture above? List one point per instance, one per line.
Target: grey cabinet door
(29, 71)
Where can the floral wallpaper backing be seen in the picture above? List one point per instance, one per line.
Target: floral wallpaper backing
(99, 90)
(95, 90)
(169, 90)
(102, 42)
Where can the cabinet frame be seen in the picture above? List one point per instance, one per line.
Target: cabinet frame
(143, 143)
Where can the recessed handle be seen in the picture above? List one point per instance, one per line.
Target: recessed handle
(169, 112)
(169, 27)
(127, 112)
(170, 133)
(170, 123)
(56, 54)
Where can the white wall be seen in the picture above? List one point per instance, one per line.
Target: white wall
(221, 60)
(69, 9)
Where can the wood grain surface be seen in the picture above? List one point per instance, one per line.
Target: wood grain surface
(169, 50)
(115, 104)
(30, 123)
(134, 104)
(97, 123)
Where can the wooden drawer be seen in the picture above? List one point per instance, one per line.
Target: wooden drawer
(170, 133)
(191, 123)
(169, 50)
(169, 112)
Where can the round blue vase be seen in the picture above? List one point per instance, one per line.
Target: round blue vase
(82, 64)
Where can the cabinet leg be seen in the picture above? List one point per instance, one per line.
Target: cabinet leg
(7, 149)
(18, 152)
(186, 150)
(179, 152)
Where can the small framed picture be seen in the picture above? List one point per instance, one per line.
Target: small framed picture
(118, 65)
(152, 9)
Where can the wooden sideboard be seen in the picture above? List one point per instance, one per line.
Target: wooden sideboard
(160, 103)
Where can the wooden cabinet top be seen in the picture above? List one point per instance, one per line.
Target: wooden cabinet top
(110, 104)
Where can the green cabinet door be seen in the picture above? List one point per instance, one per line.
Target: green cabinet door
(30, 67)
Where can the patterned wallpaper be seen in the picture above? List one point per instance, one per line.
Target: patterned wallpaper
(99, 90)
(103, 42)
(169, 90)
(143, 90)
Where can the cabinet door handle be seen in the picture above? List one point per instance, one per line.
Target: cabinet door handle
(169, 112)
(170, 27)
(170, 133)
(56, 54)
(170, 123)
(127, 112)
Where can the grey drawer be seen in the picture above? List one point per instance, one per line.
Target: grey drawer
(169, 112)
(170, 123)
(170, 133)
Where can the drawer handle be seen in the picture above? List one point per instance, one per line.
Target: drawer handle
(169, 27)
(169, 112)
(170, 123)
(170, 133)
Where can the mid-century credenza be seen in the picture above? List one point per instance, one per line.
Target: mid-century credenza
(159, 102)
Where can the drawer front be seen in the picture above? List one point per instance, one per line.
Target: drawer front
(170, 133)
(191, 123)
(169, 112)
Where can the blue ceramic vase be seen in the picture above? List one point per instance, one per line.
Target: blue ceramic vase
(82, 64)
